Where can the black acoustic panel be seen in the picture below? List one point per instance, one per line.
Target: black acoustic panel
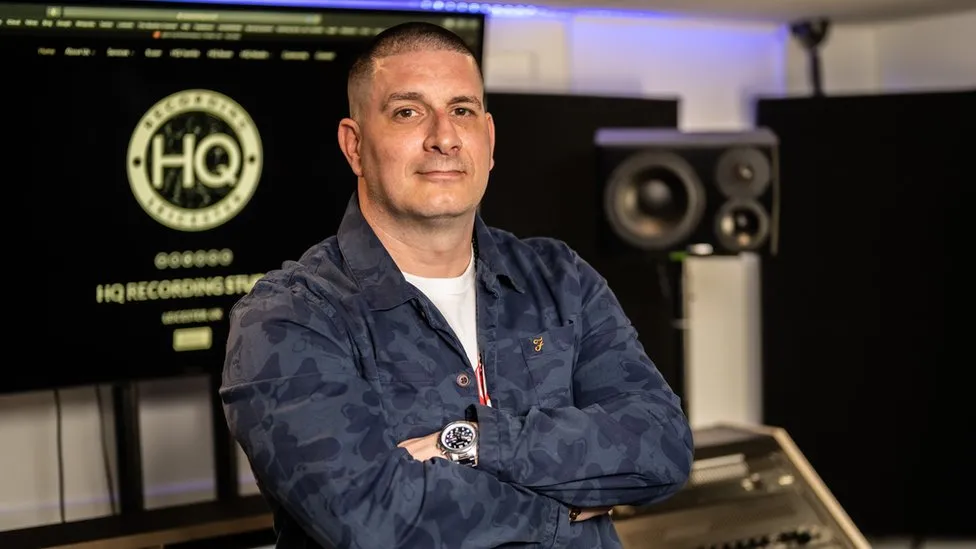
(864, 333)
(546, 183)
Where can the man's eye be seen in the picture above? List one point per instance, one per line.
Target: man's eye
(462, 111)
(404, 113)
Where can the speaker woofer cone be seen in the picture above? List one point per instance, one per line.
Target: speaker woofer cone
(743, 173)
(654, 200)
(741, 225)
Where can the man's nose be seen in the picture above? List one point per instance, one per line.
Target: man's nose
(442, 135)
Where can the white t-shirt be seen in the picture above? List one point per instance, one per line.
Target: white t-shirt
(455, 299)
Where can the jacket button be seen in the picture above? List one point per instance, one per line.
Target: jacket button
(463, 380)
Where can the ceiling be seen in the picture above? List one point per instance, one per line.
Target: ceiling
(778, 10)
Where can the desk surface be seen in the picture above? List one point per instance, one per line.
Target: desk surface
(149, 528)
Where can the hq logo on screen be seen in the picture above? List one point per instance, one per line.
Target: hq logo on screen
(194, 160)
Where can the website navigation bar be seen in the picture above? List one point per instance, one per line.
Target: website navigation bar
(216, 25)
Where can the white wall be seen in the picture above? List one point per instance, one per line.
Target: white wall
(714, 68)
(931, 53)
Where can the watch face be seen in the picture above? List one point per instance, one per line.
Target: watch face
(458, 438)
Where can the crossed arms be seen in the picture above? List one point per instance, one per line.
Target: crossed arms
(319, 442)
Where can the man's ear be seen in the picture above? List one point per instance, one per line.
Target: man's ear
(350, 138)
(491, 140)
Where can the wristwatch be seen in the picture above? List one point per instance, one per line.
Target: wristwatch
(459, 442)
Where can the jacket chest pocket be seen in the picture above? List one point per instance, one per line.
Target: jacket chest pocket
(549, 357)
(411, 396)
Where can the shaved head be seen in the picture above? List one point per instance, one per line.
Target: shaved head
(396, 40)
(418, 138)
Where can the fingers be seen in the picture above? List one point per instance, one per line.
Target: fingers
(422, 448)
(592, 512)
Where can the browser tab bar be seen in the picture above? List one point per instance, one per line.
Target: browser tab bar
(192, 16)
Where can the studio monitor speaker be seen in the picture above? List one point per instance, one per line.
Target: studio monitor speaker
(665, 190)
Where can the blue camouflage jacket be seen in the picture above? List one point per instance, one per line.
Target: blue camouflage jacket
(334, 359)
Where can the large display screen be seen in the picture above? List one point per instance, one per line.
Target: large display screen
(180, 152)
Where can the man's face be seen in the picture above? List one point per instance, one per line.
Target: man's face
(425, 141)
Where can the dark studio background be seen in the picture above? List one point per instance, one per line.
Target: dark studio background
(864, 307)
(865, 338)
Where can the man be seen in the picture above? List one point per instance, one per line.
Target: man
(421, 380)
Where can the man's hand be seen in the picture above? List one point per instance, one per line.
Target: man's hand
(423, 448)
(591, 512)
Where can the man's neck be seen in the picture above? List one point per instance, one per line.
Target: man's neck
(436, 250)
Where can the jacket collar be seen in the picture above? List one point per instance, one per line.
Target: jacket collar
(380, 279)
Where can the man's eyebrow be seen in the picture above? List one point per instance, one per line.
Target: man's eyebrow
(402, 96)
(465, 99)
(417, 96)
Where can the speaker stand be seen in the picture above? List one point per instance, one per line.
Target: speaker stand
(671, 274)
